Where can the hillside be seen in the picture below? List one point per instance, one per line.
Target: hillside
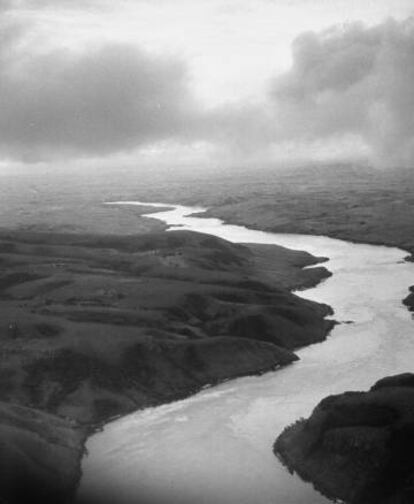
(96, 326)
(357, 446)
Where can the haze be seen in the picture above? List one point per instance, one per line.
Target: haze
(205, 82)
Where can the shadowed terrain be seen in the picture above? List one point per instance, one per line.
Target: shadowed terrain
(40, 455)
(357, 446)
(96, 326)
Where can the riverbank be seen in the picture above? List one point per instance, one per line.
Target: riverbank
(357, 446)
(99, 326)
(261, 219)
(216, 446)
(352, 203)
(409, 300)
(63, 213)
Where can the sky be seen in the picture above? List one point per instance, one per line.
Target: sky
(206, 81)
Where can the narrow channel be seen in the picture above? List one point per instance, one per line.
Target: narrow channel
(216, 447)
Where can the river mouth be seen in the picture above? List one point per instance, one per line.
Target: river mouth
(216, 447)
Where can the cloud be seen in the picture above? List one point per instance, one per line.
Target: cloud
(103, 99)
(5, 5)
(45, 4)
(349, 85)
(108, 98)
(352, 80)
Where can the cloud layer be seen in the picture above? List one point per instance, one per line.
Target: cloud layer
(108, 98)
(352, 80)
(349, 82)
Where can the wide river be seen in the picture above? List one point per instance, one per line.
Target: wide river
(216, 447)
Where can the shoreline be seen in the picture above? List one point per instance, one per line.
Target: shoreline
(356, 446)
(211, 213)
(94, 427)
(394, 257)
(100, 427)
(407, 301)
(59, 291)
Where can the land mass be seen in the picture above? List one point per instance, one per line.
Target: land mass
(340, 200)
(354, 203)
(357, 446)
(409, 300)
(40, 456)
(97, 326)
(358, 204)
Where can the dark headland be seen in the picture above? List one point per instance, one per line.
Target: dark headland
(97, 326)
(357, 446)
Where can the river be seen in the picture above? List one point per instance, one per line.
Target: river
(216, 447)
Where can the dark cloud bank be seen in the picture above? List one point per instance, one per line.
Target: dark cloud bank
(107, 99)
(348, 80)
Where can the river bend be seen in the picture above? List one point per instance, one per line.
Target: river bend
(216, 447)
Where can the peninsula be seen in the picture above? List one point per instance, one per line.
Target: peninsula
(97, 326)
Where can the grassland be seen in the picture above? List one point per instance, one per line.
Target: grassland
(354, 203)
(103, 313)
(95, 326)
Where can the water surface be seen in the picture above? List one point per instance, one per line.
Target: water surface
(216, 447)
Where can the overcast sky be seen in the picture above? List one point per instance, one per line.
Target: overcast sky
(203, 81)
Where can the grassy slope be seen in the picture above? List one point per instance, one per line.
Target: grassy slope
(40, 455)
(358, 204)
(161, 310)
(94, 326)
(358, 446)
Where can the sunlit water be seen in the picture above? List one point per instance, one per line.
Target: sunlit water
(216, 447)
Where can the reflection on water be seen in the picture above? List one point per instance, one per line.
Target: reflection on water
(216, 447)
